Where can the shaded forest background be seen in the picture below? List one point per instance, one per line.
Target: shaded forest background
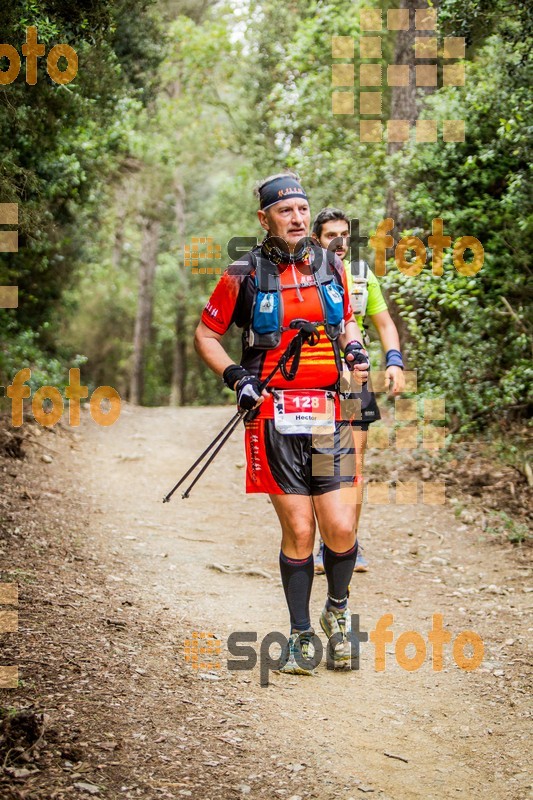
(177, 109)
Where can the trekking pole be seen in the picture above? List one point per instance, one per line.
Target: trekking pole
(214, 454)
(233, 422)
(306, 331)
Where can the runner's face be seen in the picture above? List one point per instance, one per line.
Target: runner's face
(289, 219)
(335, 229)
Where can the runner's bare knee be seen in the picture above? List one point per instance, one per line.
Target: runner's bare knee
(298, 539)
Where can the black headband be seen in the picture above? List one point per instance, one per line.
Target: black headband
(280, 189)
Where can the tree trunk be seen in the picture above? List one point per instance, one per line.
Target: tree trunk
(143, 321)
(404, 101)
(123, 211)
(118, 243)
(179, 362)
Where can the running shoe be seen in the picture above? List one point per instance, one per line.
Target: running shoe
(334, 622)
(361, 564)
(300, 646)
(319, 559)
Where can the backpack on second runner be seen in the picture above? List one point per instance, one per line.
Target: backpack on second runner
(357, 278)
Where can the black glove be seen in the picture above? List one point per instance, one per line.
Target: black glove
(248, 388)
(360, 356)
(248, 392)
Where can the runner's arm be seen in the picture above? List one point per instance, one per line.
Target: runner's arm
(351, 333)
(390, 340)
(209, 347)
(387, 330)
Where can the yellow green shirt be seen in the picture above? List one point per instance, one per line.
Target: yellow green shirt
(376, 301)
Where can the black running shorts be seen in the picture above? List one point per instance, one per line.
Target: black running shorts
(298, 463)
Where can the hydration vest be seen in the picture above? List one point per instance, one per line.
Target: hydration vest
(266, 319)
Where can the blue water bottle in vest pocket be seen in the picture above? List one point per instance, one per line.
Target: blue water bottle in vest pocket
(333, 295)
(266, 312)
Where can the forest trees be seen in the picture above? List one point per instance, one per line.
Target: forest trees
(177, 109)
(471, 338)
(60, 147)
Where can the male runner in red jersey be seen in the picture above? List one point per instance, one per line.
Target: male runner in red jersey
(304, 471)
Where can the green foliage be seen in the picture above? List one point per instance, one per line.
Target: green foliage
(470, 337)
(289, 121)
(60, 144)
(21, 348)
(501, 524)
(179, 108)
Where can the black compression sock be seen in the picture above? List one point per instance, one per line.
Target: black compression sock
(339, 570)
(297, 578)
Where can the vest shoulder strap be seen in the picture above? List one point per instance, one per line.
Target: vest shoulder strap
(266, 273)
(359, 271)
(327, 269)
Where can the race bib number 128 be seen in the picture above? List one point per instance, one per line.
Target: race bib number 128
(304, 411)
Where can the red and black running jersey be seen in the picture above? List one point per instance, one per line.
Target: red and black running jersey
(232, 302)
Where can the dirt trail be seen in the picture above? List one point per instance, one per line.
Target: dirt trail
(213, 733)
